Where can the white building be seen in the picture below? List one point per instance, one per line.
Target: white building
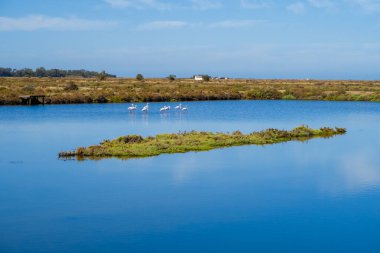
(198, 78)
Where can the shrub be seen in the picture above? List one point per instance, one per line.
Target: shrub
(206, 78)
(237, 133)
(302, 131)
(131, 139)
(102, 75)
(263, 94)
(139, 77)
(341, 130)
(101, 99)
(71, 86)
(29, 88)
(172, 77)
(289, 97)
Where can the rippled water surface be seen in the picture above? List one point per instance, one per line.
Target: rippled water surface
(319, 196)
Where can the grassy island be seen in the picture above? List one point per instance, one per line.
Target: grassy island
(135, 146)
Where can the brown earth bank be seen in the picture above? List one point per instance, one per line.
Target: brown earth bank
(119, 90)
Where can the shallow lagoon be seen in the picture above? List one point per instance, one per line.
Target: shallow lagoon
(318, 196)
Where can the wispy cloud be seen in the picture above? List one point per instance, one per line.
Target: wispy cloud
(165, 5)
(367, 5)
(140, 4)
(321, 3)
(255, 4)
(297, 8)
(119, 3)
(225, 24)
(39, 22)
(205, 4)
(235, 23)
(160, 25)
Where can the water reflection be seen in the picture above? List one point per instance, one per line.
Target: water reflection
(358, 172)
(186, 167)
(165, 116)
(145, 118)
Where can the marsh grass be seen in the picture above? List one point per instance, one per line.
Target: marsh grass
(121, 90)
(135, 146)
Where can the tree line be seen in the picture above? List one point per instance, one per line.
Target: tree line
(42, 72)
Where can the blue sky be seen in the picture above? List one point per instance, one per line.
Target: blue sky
(320, 39)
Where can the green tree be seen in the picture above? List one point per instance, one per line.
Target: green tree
(139, 77)
(172, 77)
(40, 72)
(7, 72)
(102, 75)
(206, 78)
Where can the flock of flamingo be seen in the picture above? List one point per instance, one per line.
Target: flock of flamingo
(179, 107)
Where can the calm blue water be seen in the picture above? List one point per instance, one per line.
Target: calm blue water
(319, 196)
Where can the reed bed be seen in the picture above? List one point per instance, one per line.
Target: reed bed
(123, 90)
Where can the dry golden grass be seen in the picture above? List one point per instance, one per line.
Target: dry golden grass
(116, 90)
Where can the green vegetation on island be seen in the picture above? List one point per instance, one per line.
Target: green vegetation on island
(124, 90)
(136, 146)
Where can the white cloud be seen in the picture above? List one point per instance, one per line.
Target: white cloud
(39, 22)
(140, 4)
(160, 25)
(234, 23)
(206, 4)
(321, 3)
(163, 5)
(367, 5)
(119, 3)
(255, 4)
(226, 24)
(358, 171)
(297, 8)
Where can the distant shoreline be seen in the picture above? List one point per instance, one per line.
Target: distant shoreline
(125, 90)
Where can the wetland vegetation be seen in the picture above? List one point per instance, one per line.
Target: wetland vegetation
(119, 90)
(135, 146)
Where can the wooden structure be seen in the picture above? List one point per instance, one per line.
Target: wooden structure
(32, 99)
